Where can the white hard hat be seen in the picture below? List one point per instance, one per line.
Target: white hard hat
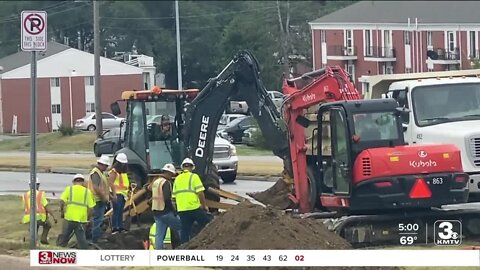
(122, 158)
(188, 161)
(104, 160)
(169, 168)
(78, 176)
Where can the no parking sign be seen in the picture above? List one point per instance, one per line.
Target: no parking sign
(34, 30)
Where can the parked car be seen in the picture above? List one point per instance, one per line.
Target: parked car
(226, 159)
(110, 142)
(233, 132)
(227, 118)
(88, 122)
(238, 107)
(277, 98)
(247, 137)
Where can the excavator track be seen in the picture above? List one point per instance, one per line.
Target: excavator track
(384, 229)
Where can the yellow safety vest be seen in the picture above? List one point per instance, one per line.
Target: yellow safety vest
(153, 230)
(40, 205)
(103, 183)
(185, 190)
(121, 183)
(77, 203)
(158, 201)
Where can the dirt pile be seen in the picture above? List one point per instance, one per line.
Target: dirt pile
(249, 226)
(276, 196)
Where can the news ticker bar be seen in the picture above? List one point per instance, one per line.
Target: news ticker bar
(274, 258)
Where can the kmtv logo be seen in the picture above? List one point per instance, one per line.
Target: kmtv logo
(52, 257)
(448, 232)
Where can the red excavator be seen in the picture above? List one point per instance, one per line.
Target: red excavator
(342, 155)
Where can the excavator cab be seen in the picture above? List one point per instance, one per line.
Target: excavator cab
(153, 129)
(370, 167)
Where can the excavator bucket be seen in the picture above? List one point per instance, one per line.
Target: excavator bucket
(277, 195)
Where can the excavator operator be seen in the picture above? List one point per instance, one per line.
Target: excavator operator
(166, 128)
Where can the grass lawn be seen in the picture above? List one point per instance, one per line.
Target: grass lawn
(13, 232)
(82, 141)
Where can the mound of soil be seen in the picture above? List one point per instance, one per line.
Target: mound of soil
(250, 226)
(276, 196)
(132, 239)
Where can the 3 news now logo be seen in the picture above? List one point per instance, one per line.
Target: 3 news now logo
(447, 232)
(57, 257)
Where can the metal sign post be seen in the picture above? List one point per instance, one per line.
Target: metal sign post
(34, 38)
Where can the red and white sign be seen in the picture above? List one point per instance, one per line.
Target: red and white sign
(34, 30)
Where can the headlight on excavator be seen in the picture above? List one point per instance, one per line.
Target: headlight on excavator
(233, 150)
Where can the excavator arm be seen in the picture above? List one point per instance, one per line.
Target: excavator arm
(240, 79)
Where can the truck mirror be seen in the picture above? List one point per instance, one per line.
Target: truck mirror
(404, 126)
(115, 108)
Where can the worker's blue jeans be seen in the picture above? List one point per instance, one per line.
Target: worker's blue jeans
(98, 214)
(117, 215)
(187, 218)
(162, 222)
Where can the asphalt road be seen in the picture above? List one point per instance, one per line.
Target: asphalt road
(54, 184)
(16, 183)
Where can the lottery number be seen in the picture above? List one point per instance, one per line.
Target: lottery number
(250, 258)
(299, 258)
(282, 258)
(267, 258)
(219, 258)
(235, 258)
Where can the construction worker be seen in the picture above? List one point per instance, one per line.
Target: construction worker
(189, 200)
(118, 179)
(166, 128)
(98, 185)
(76, 207)
(162, 207)
(152, 236)
(42, 212)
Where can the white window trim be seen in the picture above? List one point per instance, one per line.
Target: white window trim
(345, 40)
(347, 65)
(365, 43)
(323, 36)
(469, 52)
(54, 79)
(430, 44)
(390, 46)
(447, 41)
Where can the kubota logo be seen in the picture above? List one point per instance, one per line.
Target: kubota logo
(423, 164)
(308, 97)
(422, 154)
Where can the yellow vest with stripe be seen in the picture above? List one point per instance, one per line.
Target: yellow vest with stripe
(121, 183)
(40, 211)
(184, 191)
(158, 201)
(153, 230)
(103, 183)
(77, 204)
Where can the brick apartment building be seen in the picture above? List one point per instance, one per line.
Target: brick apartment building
(386, 37)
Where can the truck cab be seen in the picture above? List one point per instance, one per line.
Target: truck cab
(443, 110)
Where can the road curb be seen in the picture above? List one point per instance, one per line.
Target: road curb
(65, 170)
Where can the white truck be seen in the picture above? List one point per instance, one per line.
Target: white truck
(444, 108)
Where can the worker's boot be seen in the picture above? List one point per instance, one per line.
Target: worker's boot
(44, 237)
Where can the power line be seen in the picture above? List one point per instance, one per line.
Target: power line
(188, 16)
(49, 15)
(14, 17)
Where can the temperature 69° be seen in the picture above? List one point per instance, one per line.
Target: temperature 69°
(408, 240)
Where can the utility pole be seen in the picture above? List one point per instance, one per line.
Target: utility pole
(96, 45)
(179, 55)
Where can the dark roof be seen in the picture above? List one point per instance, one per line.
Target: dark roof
(399, 12)
(22, 58)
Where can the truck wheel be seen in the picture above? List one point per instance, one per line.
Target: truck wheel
(228, 177)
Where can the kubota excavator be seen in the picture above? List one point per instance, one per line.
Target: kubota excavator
(345, 157)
